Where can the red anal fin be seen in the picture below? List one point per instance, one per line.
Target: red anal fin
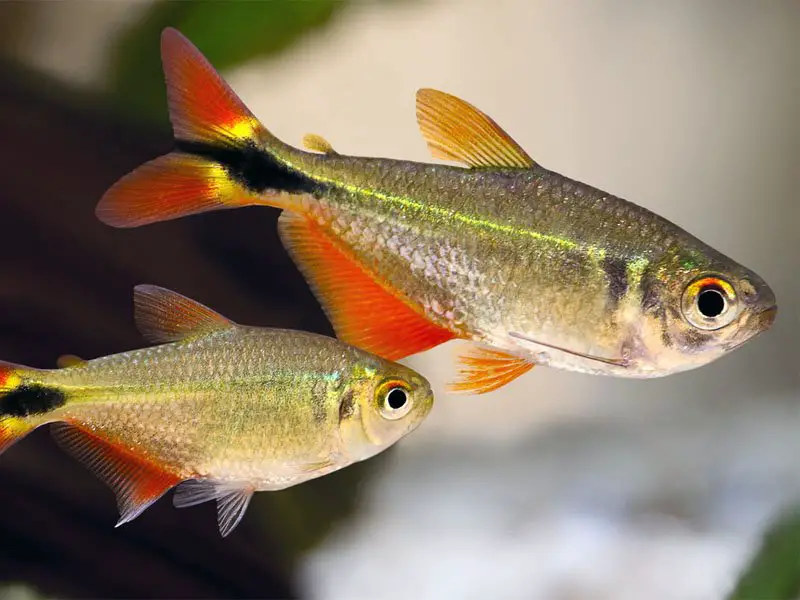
(136, 480)
(485, 370)
(361, 311)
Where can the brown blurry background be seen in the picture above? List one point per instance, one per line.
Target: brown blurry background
(558, 486)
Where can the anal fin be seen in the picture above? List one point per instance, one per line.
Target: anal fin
(232, 499)
(137, 481)
(484, 370)
(361, 311)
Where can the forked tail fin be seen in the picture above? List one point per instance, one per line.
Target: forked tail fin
(222, 157)
(19, 401)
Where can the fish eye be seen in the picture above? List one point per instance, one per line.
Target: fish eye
(395, 399)
(709, 303)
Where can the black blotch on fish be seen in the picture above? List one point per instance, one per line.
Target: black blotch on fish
(31, 399)
(616, 270)
(695, 340)
(253, 168)
(347, 406)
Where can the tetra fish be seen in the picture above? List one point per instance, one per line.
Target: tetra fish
(530, 266)
(219, 410)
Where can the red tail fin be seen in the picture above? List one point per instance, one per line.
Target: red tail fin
(217, 137)
(169, 187)
(13, 427)
(202, 107)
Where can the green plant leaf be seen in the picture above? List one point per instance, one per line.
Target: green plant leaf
(227, 32)
(774, 572)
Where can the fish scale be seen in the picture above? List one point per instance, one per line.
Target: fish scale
(231, 408)
(530, 266)
(235, 408)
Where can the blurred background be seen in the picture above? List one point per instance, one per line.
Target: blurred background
(559, 486)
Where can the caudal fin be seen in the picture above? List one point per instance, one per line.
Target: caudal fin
(220, 161)
(17, 402)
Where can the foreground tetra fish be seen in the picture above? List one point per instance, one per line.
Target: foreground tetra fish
(221, 410)
(534, 267)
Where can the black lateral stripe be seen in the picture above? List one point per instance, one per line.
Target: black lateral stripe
(31, 399)
(347, 406)
(616, 270)
(253, 168)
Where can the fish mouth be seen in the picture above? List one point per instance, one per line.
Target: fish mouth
(768, 315)
(762, 321)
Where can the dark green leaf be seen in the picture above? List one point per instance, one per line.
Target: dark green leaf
(228, 33)
(774, 573)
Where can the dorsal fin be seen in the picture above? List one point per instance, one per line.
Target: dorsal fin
(456, 130)
(317, 143)
(166, 316)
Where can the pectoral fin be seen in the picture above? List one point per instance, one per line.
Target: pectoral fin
(362, 312)
(456, 130)
(622, 361)
(484, 370)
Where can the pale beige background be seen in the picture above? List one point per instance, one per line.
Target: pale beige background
(565, 485)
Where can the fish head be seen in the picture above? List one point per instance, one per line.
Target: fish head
(699, 305)
(388, 401)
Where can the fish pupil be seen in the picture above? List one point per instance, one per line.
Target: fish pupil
(710, 303)
(396, 399)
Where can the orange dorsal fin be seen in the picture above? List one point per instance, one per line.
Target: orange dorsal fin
(456, 130)
(484, 370)
(202, 106)
(166, 316)
(361, 311)
(136, 480)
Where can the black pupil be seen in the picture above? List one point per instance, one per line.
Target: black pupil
(710, 303)
(396, 399)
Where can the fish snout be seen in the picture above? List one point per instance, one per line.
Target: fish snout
(766, 318)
